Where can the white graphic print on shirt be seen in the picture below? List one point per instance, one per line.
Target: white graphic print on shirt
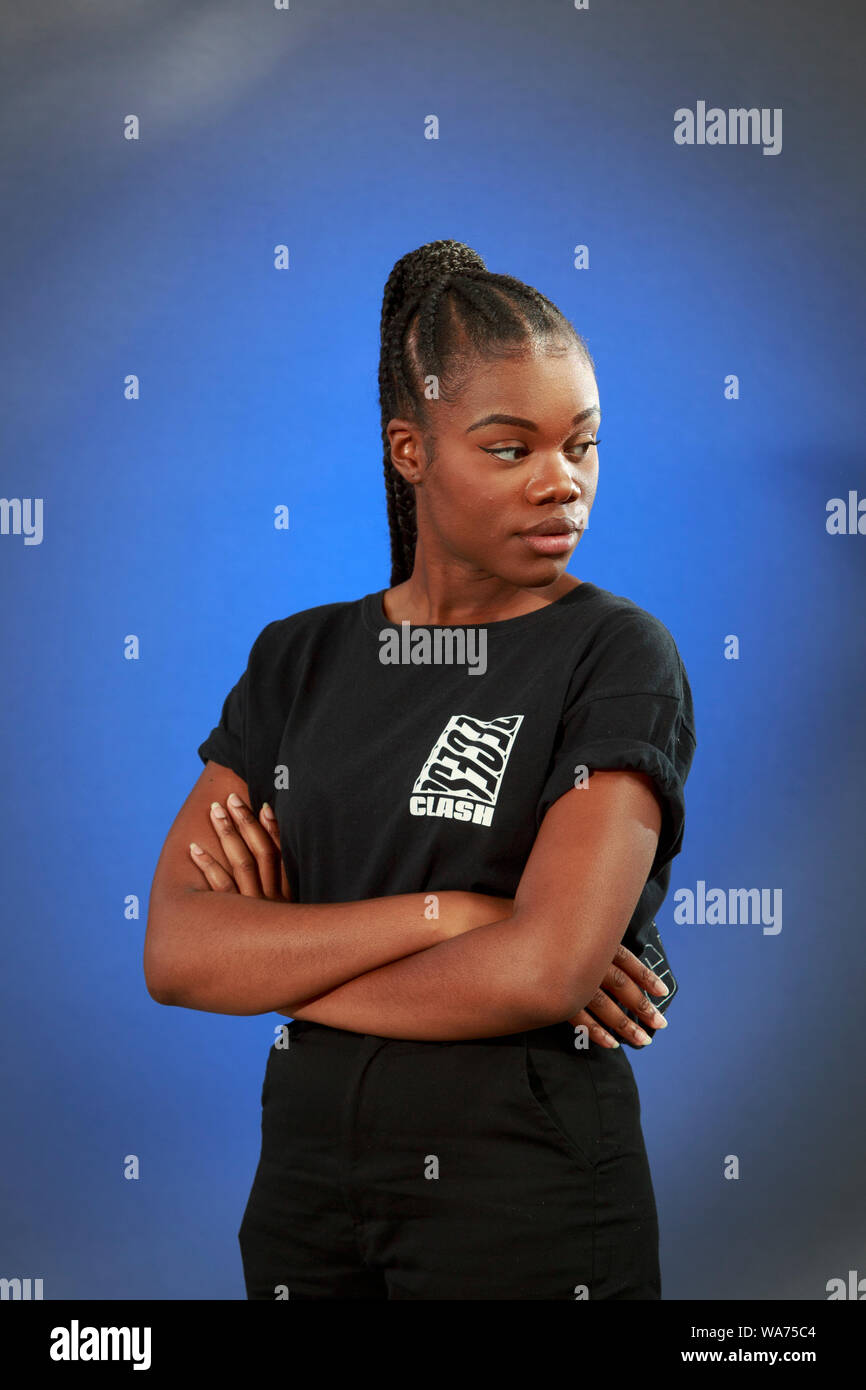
(462, 775)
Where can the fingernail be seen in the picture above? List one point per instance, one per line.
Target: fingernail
(196, 849)
(217, 810)
(659, 1021)
(266, 807)
(234, 799)
(642, 1037)
(662, 989)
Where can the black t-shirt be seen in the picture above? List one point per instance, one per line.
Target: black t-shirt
(401, 776)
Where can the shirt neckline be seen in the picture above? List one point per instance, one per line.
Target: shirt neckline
(375, 617)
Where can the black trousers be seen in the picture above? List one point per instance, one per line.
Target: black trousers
(511, 1167)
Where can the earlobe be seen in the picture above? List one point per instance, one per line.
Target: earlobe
(408, 472)
(403, 451)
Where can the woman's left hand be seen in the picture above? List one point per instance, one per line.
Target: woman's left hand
(627, 979)
(252, 851)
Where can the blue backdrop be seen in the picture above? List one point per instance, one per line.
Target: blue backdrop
(722, 301)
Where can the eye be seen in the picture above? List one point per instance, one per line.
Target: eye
(506, 449)
(585, 445)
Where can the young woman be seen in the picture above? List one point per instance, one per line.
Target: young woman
(477, 776)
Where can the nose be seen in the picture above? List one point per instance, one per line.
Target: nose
(554, 482)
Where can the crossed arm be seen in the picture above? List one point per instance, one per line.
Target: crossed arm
(384, 965)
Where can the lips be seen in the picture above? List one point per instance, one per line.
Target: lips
(554, 526)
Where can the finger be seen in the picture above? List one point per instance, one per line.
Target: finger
(261, 844)
(596, 1033)
(265, 850)
(270, 823)
(284, 882)
(242, 861)
(629, 993)
(630, 963)
(611, 1015)
(215, 874)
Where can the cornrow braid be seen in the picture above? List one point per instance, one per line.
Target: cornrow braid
(442, 310)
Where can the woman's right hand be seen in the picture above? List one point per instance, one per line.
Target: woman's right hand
(625, 979)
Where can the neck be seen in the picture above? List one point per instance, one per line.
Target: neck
(451, 592)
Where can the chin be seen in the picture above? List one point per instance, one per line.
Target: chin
(535, 572)
(551, 565)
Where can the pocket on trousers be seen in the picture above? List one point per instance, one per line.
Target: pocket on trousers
(560, 1093)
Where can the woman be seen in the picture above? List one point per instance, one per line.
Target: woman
(477, 776)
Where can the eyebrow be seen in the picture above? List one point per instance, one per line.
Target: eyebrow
(529, 424)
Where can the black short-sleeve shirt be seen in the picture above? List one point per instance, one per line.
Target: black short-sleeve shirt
(409, 759)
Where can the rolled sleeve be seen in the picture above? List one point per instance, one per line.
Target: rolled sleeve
(642, 733)
(226, 742)
(633, 711)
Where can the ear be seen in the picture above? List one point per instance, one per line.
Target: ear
(407, 450)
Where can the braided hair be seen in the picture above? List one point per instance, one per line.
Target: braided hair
(441, 310)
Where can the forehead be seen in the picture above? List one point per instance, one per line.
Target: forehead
(533, 386)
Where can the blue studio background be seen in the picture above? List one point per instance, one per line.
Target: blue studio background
(155, 257)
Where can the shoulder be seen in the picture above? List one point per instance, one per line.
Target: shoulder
(640, 633)
(621, 647)
(288, 636)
